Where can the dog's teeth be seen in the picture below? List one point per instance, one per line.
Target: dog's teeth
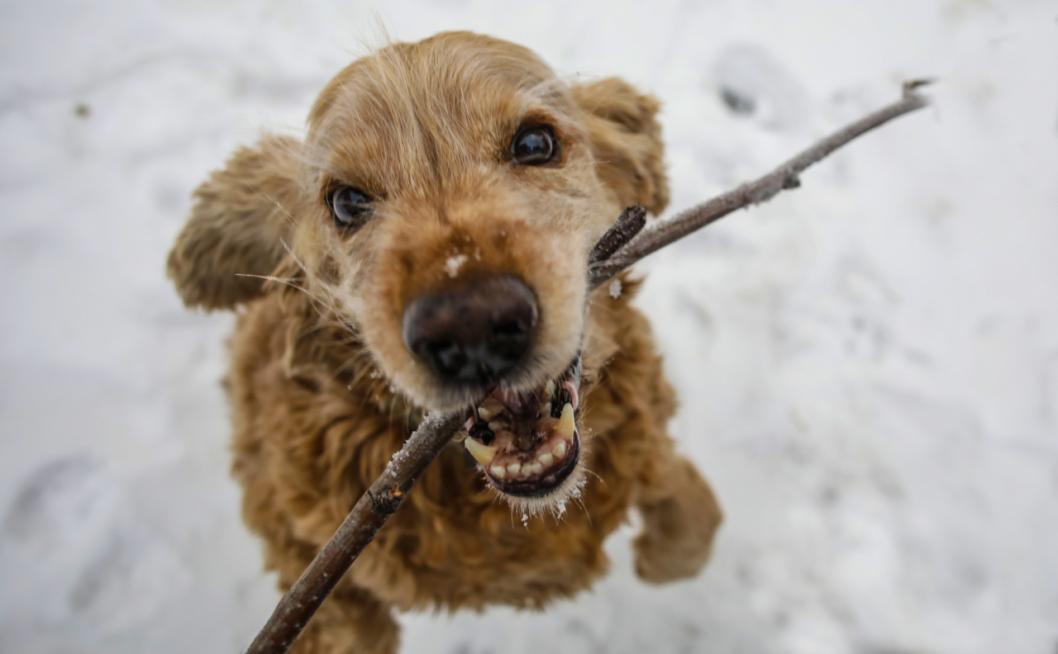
(514, 468)
(482, 453)
(535, 468)
(549, 389)
(527, 471)
(489, 409)
(566, 424)
(499, 472)
(496, 426)
(559, 450)
(546, 459)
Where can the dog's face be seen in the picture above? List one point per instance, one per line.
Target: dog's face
(449, 194)
(444, 170)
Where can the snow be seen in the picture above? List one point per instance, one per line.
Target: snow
(454, 263)
(868, 366)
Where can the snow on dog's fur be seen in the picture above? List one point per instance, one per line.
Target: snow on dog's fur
(324, 388)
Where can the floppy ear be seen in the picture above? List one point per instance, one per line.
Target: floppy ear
(237, 226)
(626, 140)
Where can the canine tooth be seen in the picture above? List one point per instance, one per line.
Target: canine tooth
(496, 426)
(482, 453)
(499, 472)
(546, 459)
(514, 469)
(559, 450)
(490, 408)
(549, 389)
(566, 425)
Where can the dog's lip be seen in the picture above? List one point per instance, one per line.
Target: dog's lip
(522, 402)
(521, 405)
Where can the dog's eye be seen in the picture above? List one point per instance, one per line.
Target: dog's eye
(350, 206)
(533, 146)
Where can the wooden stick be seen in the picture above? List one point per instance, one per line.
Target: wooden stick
(615, 251)
(628, 224)
(785, 176)
(358, 529)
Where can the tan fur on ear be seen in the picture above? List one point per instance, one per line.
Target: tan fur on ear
(237, 225)
(626, 139)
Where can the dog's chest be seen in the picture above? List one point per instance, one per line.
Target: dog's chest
(455, 544)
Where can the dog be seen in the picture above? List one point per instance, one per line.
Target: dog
(425, 248)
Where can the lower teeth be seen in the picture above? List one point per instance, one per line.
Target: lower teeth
(489, 432)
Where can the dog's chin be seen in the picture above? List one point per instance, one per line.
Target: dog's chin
(527, 443)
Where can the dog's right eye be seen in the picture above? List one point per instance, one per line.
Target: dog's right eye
(351, 207)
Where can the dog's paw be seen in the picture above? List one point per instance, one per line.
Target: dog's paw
(659, 561)
(678, 526)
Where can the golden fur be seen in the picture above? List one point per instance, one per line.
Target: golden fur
(324, 391)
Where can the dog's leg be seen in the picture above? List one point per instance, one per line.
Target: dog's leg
(350, 620)
(680, 517)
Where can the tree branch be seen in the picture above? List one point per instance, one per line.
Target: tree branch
(785, 176)
(358, 529)
(618, 249)
(628, 224)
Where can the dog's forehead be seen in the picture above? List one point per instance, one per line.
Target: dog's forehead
(436, 105)
(450, 65)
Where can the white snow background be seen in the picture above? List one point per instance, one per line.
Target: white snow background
(868, 366)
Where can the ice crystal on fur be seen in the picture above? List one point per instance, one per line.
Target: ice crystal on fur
(454, 263)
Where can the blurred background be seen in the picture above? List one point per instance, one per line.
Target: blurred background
(868, 366)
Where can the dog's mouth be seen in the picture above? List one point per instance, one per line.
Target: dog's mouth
(527, 443)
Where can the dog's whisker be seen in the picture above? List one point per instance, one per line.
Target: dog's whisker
(591, 472)
(329, 305)
(289, 217)
(289, 282)
(580, 502)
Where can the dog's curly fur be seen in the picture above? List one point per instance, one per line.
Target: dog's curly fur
(323, 391)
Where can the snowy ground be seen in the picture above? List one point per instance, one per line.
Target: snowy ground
(868, 366)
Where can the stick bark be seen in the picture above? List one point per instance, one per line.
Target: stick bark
(622, 245)
(785, 176)
(358, 529)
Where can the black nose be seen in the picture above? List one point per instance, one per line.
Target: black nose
(474, 331)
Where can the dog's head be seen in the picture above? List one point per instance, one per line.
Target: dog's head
(443, 204)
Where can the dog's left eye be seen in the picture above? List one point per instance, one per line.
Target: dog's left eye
(533, 146)
(351, 207)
